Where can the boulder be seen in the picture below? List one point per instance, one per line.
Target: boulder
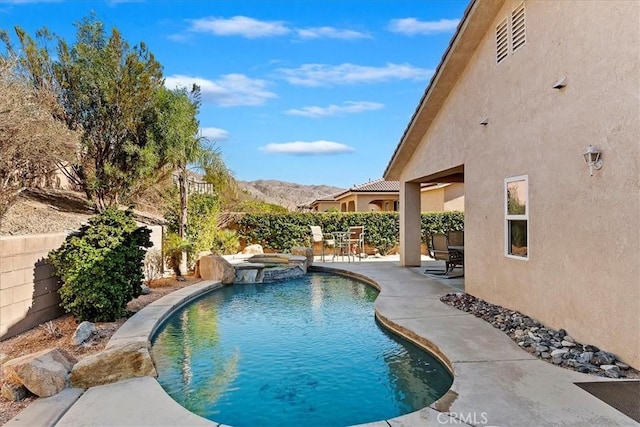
(145, 290)
(13, 391)
(114, 364)
(253, 249)
(201, 254)
(305, 252)
(215, 267)
(83, 332)
(43, 373)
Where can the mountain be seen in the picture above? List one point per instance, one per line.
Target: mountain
(287, 194)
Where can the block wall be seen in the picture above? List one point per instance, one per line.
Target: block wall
(28, 289)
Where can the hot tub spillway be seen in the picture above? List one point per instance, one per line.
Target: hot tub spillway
(267, 268)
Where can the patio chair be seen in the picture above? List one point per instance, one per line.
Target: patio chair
(326, 240)
(456, 238)
(439, 250)
(356, 241)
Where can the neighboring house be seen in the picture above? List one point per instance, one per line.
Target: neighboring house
(383, 196)
(522, 91)
(378, 195)
(323, 204)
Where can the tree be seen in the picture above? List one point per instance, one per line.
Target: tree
(32, 141)
(107, 92)
(180, 149)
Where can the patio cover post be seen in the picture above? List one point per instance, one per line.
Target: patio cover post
(410, 224)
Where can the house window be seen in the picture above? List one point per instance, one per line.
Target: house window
(516, 195)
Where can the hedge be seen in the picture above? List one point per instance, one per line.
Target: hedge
(281, 232)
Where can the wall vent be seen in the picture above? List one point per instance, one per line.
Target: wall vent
(518, 38)
(502, 41)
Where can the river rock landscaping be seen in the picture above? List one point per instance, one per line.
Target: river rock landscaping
(553, 346)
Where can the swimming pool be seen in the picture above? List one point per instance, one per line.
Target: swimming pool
(306, 351)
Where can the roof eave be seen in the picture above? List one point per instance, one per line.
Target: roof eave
(475, 22)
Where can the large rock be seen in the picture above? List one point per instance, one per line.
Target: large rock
(197, 266)
(13, 391)
(83, 332)
(43, 373)
(214, 267)
(305, 252)
(253, 249)
(112, 365)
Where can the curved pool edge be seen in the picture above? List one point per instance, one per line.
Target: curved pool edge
(141, 327)
(438, 408)
(391, 326)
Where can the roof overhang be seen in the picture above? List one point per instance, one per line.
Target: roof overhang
(472, 28)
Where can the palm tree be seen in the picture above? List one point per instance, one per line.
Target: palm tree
(180, 148)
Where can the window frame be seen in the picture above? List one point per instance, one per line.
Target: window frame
(514, 217)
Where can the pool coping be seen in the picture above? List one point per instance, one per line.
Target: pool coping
(503, 386)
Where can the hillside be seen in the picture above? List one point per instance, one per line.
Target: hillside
(287, 194)
(49, 210)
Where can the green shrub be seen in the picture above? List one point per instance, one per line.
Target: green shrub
(280, 232)
(226, 242)
(202, 227)
(172, 246)
(101, 266)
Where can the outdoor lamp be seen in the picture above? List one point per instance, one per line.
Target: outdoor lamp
(592, 157)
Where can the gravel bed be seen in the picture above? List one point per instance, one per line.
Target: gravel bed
(550, 345)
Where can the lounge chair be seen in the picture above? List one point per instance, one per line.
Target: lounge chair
(326, 240)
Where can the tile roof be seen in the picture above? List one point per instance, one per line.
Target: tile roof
(377, 186)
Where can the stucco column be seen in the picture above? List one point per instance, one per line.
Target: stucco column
(410, 224)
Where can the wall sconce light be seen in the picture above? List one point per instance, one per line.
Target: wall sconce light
(592, 157)
(485, 121)
(560, 83)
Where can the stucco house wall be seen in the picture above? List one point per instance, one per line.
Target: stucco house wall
(583, 268)
(454, 197)
(324, 206)
(443, 198)
(361, 202)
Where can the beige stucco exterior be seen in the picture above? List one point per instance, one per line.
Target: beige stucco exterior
(583, 267)
(368, 202)
(442, 198)
(325, 205)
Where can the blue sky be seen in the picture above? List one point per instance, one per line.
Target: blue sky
(306, 91)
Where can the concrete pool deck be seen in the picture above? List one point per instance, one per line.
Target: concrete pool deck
(495, 382)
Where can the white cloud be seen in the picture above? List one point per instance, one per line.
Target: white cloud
(214, 134)
(349, 107)
(239, 26)
(229, 90)
(178, 37)
(307, 148)
(251, 28)
(330, 33)
(325, 75)
(412, 26)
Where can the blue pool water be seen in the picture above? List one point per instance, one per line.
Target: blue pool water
(303, 352)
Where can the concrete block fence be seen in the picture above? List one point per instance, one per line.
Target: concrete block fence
(28, 289)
